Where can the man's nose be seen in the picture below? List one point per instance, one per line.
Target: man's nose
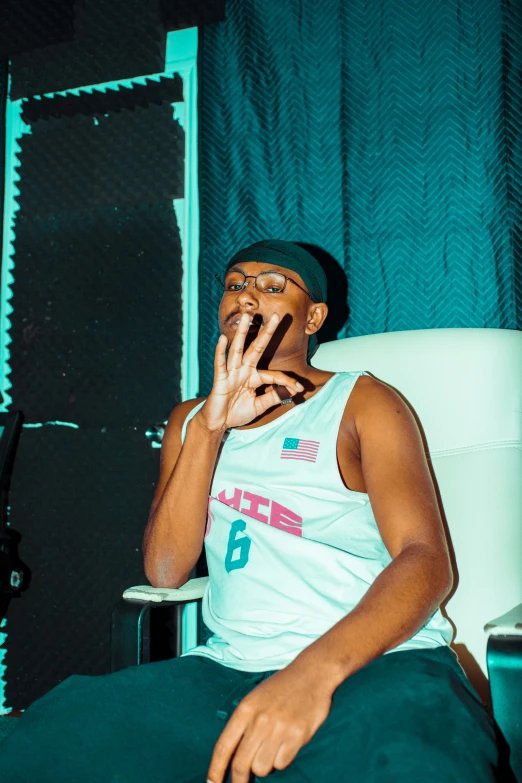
(247, 295)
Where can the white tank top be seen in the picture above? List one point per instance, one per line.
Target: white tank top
(290, 550)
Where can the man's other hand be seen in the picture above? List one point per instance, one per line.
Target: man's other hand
(271, 724)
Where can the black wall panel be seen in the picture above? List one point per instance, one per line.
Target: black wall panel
(96, 328)
(95, 360)
(80, 499)
(165, 89)
(26, 25)
(177, 14)
(97, 294)
(113, 39)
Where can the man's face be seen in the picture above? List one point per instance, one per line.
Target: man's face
(293, 306)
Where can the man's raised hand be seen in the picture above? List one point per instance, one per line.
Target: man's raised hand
(233, 401)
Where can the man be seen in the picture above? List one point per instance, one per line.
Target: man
(329, 659)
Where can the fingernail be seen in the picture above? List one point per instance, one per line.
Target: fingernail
(299, 385)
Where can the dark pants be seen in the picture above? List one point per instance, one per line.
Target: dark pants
(408, 716)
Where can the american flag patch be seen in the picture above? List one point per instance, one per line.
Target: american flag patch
(297, 448)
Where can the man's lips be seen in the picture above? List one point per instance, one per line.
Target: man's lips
(256, 322)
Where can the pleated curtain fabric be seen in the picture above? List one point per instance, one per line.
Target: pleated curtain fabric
(387, 132)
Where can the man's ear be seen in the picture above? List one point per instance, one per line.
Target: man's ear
(316, 317)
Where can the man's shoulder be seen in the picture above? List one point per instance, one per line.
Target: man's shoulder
(370, 397)
(182, 410)
(370, 394)
(187, 405)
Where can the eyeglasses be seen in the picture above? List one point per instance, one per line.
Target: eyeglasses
(266, 282)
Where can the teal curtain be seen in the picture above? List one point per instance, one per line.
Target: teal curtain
(389, 133)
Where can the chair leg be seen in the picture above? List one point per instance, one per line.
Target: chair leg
(130, 633)
(178, 618)
(132, 629)
(504, 659)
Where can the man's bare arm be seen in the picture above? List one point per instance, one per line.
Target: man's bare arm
(174, 535)
(173, 538)
(410, 589)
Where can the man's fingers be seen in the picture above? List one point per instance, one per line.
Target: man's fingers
(271, 398)
(235, 353)
(220, 358)
(266, 401)
(257, 347)
(247, 742)
(224, 748)
(281, 379)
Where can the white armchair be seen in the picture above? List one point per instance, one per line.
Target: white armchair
(465, 389)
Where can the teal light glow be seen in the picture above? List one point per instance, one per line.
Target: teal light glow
(15, 129)
(181, 57)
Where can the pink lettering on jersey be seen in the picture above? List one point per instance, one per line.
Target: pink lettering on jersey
(234, 501)
(255, 502)
(279, 516)
(285, 519)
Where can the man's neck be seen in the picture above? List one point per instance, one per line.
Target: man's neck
(294, 365)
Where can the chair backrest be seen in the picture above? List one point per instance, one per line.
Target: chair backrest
(465, 387)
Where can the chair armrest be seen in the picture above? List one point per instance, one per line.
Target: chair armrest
(131, 619)
(509, 624)
(191, 591)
